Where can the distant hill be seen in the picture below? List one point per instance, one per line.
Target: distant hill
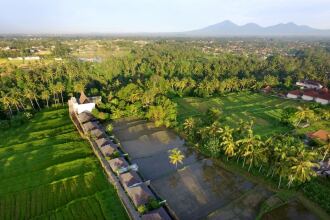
(228, 28)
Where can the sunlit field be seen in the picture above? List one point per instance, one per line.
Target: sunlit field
(264, 110)
(48, 172)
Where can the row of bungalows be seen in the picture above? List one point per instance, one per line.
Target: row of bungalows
(321, 96)
(136, 189)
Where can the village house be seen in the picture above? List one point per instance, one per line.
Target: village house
(309, 95)
(321, 96)
(295, 94)
(321, 135)
(309, 84)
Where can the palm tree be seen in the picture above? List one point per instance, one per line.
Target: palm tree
(303, 114)
(78, 87)
(59, 87)
(176, 156)
(189, 124)
(5, 99)
(30, 95)
(302, 165)
(228, 143)
(214, 130)
(45, 96)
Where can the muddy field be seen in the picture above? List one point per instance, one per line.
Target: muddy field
(197, 189)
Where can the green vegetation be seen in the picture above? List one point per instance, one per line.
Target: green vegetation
(265, 111)
(212, 99)
(48, 171)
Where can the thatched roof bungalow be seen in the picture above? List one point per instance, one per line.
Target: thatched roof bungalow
(108, 150)
(98, 133)
(118, 163)
(85, 117)
(88, 126)
(157, 214)
(129, 179)
(102, 142)
(140, 195)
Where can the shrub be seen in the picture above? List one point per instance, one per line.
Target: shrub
(109, 128)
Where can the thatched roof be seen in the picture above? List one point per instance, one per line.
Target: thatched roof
(108, 150)
(83, 98)
(130, 178)
(98, 133)
(140, 195)
(85, 117)
(158, 214)
(88, 126)
(117, 163)
(101, 142)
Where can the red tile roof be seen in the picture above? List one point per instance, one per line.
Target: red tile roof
(320, 134)
(311, 93)
(295, 92)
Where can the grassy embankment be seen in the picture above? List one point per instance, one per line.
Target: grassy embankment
(48, 171)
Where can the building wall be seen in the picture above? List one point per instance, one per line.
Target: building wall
(307, 98)
(79, 108)
(291, 96)
(322, 101)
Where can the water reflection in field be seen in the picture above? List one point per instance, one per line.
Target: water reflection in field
(197, 189)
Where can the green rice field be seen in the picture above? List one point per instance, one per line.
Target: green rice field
(47, 171)
(264, 110)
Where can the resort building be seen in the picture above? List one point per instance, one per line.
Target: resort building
(158, 214)
(321, 96)
(295, 94)
(321, 135)
(309, 84)
(85, 104)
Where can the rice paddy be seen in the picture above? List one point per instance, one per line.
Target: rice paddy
(47, 171)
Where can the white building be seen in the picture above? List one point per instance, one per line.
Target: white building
(84, 104)
(309, 84)
(79, 108)
(294, 94)
(15, 58)
(32, 58)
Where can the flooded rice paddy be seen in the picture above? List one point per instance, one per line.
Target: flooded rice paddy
(197, 189)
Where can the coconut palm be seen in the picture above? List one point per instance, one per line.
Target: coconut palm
(176, 156)
(189, 124)
(59, 87)
(45, 96)
(28, 93)
(302, 165)
(303, 114)
(6, 101)
(228, 144)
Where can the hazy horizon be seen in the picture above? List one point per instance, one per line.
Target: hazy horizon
(107, 16)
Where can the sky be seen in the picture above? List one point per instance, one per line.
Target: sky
(123, 16)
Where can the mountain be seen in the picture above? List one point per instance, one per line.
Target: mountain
(228, 28)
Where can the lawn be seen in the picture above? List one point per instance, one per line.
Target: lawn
(47, 171)
(264, 110)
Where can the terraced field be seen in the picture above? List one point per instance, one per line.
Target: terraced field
(48, 172)
(264, 110)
